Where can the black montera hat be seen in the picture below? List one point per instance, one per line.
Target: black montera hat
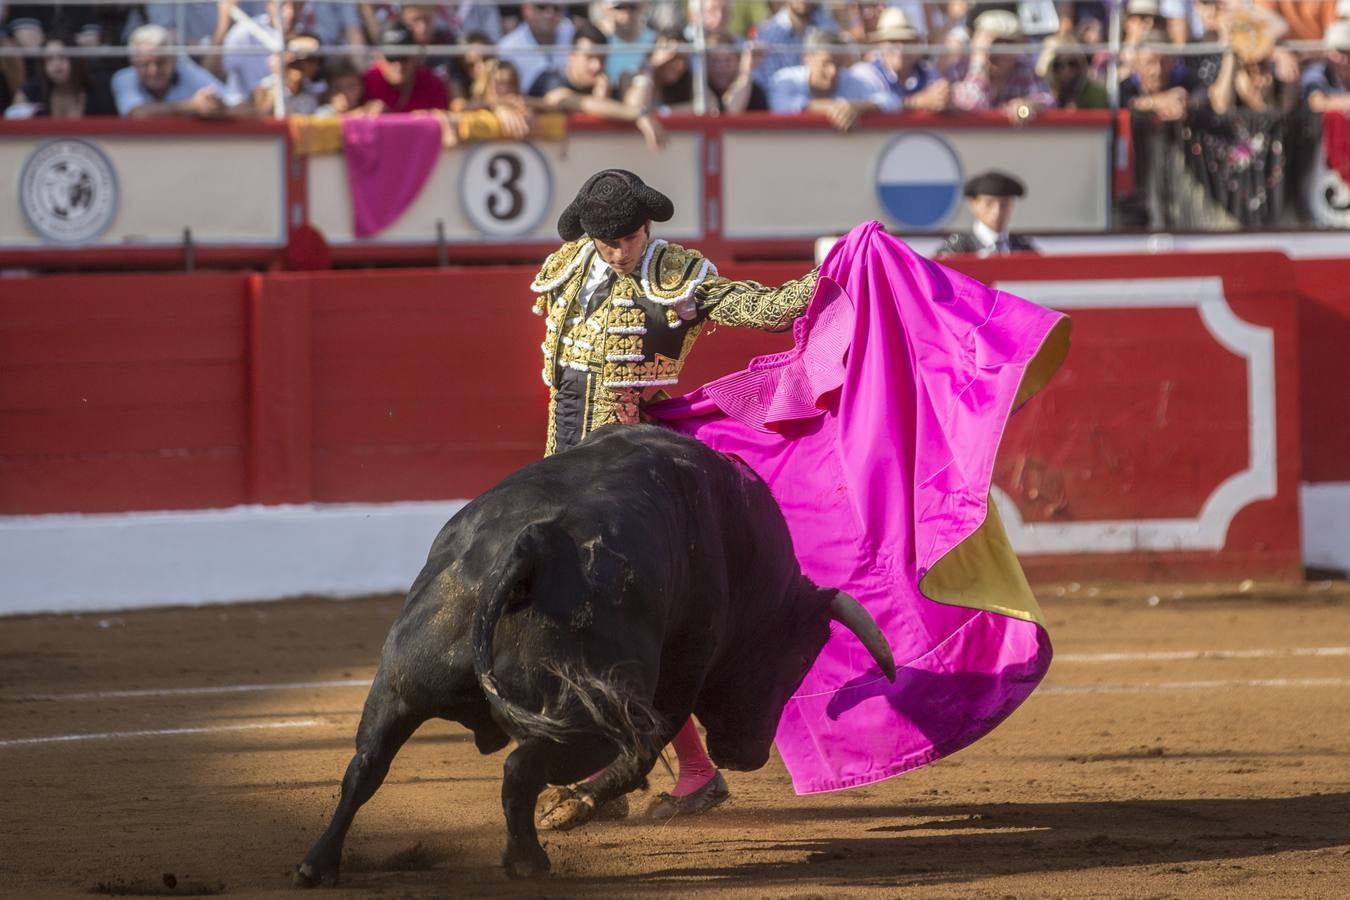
(994, 184)
(612, 204)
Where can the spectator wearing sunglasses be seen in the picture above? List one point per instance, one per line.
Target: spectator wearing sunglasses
(997, 80)
(630, 38)
(1064, 66)
(398, 82)
(538, 45)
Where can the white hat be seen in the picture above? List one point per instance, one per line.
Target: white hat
(1143, 8)
(1337, 36)
(998, 23)
(893, 25)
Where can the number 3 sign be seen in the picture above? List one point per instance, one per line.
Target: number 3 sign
(505, 188)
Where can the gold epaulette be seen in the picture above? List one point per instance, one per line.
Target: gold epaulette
(560, 265)
(669, 276)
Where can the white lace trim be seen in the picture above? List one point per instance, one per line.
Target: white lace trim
(541, 287)
(653, 382)
(688, 289)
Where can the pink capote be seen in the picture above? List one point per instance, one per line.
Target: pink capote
(389, 159)
(877, 433)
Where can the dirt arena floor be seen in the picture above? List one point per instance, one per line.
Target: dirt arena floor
(1185, 743)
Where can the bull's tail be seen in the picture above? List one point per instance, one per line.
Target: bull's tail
(585, 703)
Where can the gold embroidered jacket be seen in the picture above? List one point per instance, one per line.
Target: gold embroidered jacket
(597, 364)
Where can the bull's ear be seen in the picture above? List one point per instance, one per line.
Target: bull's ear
(852, 615)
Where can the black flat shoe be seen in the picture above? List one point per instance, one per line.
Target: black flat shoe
(714, 793)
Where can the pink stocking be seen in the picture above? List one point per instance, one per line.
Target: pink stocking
(696, 769)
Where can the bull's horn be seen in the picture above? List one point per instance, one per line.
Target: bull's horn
(851, 614)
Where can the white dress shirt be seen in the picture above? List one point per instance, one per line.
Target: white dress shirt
(991, 242)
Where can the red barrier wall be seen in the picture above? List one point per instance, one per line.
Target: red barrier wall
(122, 392)
(1324, 400)
(179, 392)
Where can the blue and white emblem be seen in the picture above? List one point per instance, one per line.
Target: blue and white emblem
(919, 181)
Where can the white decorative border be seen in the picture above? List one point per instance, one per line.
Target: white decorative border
(1254, 343)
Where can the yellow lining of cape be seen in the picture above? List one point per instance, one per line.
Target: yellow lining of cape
(982, 572)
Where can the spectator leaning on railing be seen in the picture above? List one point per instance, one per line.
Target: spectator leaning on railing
(398, 82)
(1000, 80)
(301, 78)
(624, 22)
(1326, 84)
(584, 87)
(62, 87)
(821, 85)
(1159, 84)
(784, 34)
(909, 77)
(544, 28)
(158, 84)
(731, 83)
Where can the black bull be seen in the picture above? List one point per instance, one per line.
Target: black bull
(585, 607)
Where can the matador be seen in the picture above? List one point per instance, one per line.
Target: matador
(622, 311)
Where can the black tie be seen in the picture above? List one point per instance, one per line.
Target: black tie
(601, 293)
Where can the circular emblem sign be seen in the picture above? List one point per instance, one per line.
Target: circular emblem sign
(68, 191)
(505, 188)
(919, 180)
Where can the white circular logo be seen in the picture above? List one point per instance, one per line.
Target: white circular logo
(505, 188)
(918, 180)
(68, 191)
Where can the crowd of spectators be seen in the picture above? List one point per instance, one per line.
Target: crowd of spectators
(629, 60)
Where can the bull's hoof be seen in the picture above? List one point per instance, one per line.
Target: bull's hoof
(562, 808)
(525, 862)
(308, 876)
(712, 794)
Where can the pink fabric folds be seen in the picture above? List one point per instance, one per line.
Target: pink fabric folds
(389, 159)
(877, 433)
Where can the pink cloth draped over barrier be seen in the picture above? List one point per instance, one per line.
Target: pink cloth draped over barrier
(389, 159)
(877, 433)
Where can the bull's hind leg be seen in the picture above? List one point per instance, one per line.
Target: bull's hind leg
(386, 724)
(538, 762)
(580, 803)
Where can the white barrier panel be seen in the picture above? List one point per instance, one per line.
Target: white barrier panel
(117, 190)
(75, 563)
(508, 191)
(799, 183)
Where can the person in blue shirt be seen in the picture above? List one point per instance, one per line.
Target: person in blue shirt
(913, 79)
(159, 84)
(820, 84)
(783, 35)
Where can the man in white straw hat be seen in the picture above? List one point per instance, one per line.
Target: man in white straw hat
(910, 78)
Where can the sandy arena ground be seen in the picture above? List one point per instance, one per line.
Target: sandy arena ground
(1153, 762)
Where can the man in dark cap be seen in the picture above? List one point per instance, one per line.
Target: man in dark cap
(622, 311)
(990, 196)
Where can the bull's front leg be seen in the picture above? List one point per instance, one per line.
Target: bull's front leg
(386, 724)
(538, 762)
